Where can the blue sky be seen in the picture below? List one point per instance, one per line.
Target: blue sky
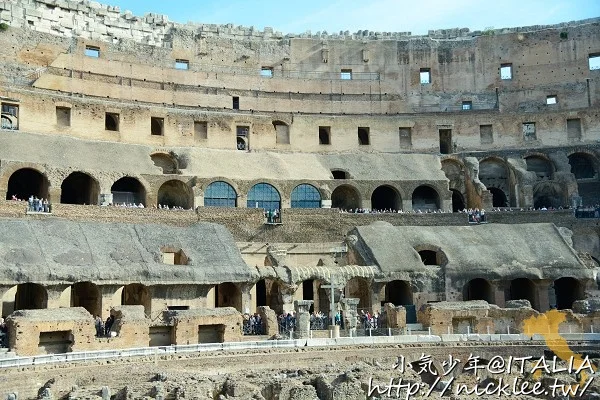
(416, 16)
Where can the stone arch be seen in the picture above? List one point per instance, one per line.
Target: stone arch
(495, 173)
(346, 197)
(458, 201)
(31, 296)
(305, 196)
(128, 190)
(479, 289)
(398, 293)
(359, 288)
(540, 165)
(268, 293)
(583, 165)
(426, 198)
(523, 289)
(499, 198)
(166, 161)
(175, 193)
(386, 197)
(548, 194)
(431, 255)
(88, 296)
(338, 173)
(136, 294)
(79, 188)
(227, 294)
(27, 182)
(567, 290)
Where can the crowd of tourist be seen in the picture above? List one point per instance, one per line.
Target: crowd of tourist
(588, 211)
(273, 216)
(34, 204)
(391, 211)
(103, 328)
(253, 325)
(368, 320)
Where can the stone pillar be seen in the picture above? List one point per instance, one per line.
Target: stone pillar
(111, 297)
(269, 318)
(487, 200)
(498, 289)
(325, 203)
(377, 297)
(287, 297)
(350, 314)
(54, 194)
(56, 298)
(302, 308)
(396, 316)
(446, 205)
(526, 196)
(542, 301)
(407, 204)
(248, 303)
(366, 203)
(242, 201)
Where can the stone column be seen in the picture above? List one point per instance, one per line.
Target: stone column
(56, 298)
(248, 303)
(302, 318)
(541, 296)
(407, 204)
(376, 296)
(287, 297)
(498, 288)
(350, 314)
(269, 318)
(54, 194)
(111, 297)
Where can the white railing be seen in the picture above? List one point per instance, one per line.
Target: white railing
(274, 344)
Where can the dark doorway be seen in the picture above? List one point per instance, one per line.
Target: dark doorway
(458, 201)
(582, 166)
(567, 291)
(345, 197)
(228, 295)
(386, 198)
(261, 293)
(425, 198)
(446, 141)
(86, 295)
(175, 193)
(478, 289)
(136, 294)
(498, 197)
(308, 290)
(128, 190)
(429, 257)
(399, 293)
(27, 182)
(31, 296)
(523, 289)
(79, 188)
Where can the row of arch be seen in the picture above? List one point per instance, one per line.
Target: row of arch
(562, 293)
(81, 188)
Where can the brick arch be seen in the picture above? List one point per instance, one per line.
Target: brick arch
(199, 189)
(441, 257)
(143, 183)
(44, 191)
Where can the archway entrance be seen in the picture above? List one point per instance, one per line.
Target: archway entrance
(458, 201)
(345, 197)
(31, 296)
(87, 295)
(567, 290)
(360, 289)
(136, 294)
(399, 293)
(386, 198)
(27, 182)
(175, 193)
(425, 198)
(478, 289)
(523, 289)
(79, 188)
(498, 197)
(548, 194)
(228, 295)
(128, 190)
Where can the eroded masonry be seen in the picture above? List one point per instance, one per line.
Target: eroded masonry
(196, 173)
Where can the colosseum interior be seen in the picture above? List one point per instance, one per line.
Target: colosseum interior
(368, 146)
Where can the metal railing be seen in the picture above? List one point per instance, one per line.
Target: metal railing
(587, 212)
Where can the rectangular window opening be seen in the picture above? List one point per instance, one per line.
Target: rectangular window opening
(201, 130)
(266, 72)
(486, 134)
(242, 137)
(157, 126)
(236, 103)
(405, 138)
(182, 64)
(594, 61)
(445, 141)
(363, 136)
(506, 71)
(10, 116)
(63, 116)
(551, 99)
(324, 135)
(467, 105)
(282, 133)
(92, 51)
(111, 122)
(425, 76)
(574, 129)
(346, 74)
(529, 132)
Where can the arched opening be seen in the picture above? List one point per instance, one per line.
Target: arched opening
(31, 296)
(523, 289)
(542, 167)
(136, 294)
(386, 198)
(166, 162)
(548, 194)
(345, 197)
(228, 295)
(306, 196)
(27, 182)
(308, 293)
(265, 196)
(458, 201)
(128, 190)
(478, 289)
(429, 257)
(582, 166)
(175, 193)
(567, 290)
(87, 295)
(425, 198)
(220, 194)
(399, 293)
(79, 188)
(261, 293)
(339, 174)
(494, 174)
(498, 197)
(359, 288)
